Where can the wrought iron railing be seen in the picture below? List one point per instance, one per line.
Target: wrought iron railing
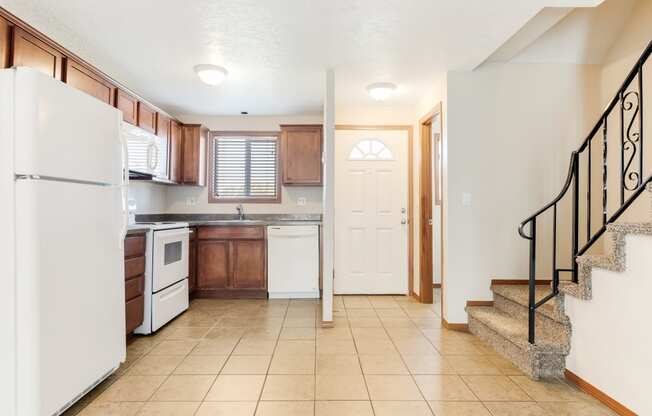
(631, 183)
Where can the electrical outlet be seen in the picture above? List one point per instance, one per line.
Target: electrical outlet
(190, 201)
(301, 201)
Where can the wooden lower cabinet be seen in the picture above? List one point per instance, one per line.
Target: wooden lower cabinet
(233, 267)
(212, 265)
(134, 277)
(248, 257)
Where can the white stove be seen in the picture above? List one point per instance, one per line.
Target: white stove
(166, 273)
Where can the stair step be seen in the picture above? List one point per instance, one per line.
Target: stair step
(509, 336)
(519, 294)
(516, 330)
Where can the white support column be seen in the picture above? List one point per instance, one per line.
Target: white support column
(328, 199)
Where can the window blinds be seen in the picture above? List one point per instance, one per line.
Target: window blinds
(245, 167)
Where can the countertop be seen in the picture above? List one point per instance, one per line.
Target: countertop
(251, 222)
(135, 229)
(195, 220)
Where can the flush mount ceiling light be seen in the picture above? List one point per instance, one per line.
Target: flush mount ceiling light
(210, 74)
(381, 90)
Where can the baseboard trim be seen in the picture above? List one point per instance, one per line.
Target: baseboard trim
(479, 303)
(454, 326)
(415, 296)
(436, 285)
(591, 390)
(519, 282)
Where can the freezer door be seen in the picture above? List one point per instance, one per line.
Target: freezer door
(64, 133)
(70, 300)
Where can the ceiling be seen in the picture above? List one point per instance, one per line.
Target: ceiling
(276, 51)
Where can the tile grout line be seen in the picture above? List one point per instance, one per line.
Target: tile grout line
(405, 364)
(278, 336)
(355, 345)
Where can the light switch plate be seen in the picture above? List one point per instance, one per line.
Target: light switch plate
(466, 199)
(301, 201)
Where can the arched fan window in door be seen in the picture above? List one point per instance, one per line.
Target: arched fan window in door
(370, 149)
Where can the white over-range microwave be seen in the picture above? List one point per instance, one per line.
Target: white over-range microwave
(147, 152)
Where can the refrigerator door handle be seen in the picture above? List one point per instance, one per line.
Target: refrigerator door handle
(22, 177)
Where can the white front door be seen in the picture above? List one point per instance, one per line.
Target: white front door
(371, 212)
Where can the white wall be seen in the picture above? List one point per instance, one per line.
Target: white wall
(328, 220)
(610, 346)
(191, 199)
(150, 197)
(509, 130)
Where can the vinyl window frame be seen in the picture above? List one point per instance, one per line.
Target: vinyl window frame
(215, 135)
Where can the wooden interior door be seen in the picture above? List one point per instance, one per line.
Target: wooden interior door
(430, 191)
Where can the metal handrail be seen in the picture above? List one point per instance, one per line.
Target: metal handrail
(631, 143)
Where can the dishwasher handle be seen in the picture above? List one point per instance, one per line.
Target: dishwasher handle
(292, 231)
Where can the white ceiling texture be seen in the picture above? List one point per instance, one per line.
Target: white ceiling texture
(276, 51)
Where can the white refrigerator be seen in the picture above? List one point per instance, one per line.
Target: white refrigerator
(63, 219)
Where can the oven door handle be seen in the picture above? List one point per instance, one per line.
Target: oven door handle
(172, 233)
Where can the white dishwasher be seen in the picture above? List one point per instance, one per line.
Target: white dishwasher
(293, 261)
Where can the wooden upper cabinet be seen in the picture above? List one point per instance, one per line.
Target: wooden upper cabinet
(5, 43)
(146, 117)
(301, 151)
(195, 139)
(30, 51)
(176, 143)
(128, 104)
(163, 126)
(84, 79)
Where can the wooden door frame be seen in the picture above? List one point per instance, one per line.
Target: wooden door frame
(410, 175)
(425, 207)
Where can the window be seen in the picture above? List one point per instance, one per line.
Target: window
(244, 167)
(370, 149)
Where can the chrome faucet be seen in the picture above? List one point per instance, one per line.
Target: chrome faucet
(241, 214)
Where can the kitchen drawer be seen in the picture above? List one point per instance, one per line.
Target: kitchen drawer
(134, 267)
(134, 310)
(135, 245)
(231, 233)
(169, 303)
(134, 287)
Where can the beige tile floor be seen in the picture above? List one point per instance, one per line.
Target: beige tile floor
(386, 356)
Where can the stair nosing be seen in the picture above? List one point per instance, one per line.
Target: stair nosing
(542, 346)
(548, 309)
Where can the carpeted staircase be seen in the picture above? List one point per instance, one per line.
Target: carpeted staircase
(505, 324)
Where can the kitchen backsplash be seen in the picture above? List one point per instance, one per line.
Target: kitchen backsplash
(152, 198)
(190, 199)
